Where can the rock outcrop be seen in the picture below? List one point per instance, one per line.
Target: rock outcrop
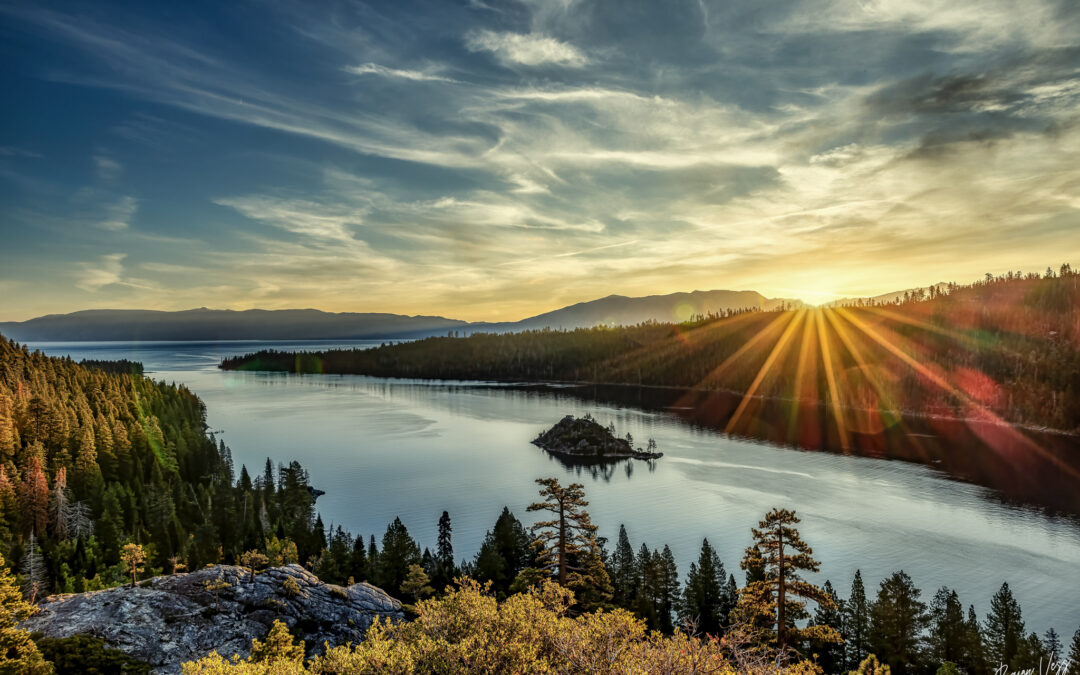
(168, 620)
(583, 440)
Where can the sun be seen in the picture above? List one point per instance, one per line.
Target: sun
(814, 294)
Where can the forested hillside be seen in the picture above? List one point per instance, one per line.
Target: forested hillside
(1003, 348)
(92, 459)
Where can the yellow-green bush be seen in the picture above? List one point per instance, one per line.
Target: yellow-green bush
(467, 631)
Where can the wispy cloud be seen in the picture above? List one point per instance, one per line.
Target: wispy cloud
(476, 159)
(118, 215)
(107, 168)
(93, 276)
(526, 49)
(383, 71)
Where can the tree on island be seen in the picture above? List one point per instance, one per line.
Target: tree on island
(566, 544)
(775, 602)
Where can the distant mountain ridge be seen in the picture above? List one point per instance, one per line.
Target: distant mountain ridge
(620, 310)
(223, 324)
(311, 324)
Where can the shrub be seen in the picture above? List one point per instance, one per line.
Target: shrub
(290, 587)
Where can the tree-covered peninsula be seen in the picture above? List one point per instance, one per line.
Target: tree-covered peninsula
(1006, 348)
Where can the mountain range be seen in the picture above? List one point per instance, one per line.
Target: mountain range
(313, 324)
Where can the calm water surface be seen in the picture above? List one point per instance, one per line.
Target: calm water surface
(386, 448)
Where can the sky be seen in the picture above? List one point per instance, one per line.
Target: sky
(489, 160)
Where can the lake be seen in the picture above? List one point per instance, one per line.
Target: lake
(384, 448)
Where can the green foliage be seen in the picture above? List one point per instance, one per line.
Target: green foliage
(566, 545)
(774, 603)
(706, 601)
(416, 583)
(897, 621)
(81, 654)
(399, 551)
(93, 458)
(948, 668)
(856, 632)
(277, 646)
(1074, 654)
(467, 631)
(505, 552)
(871, 666)
(290, 588)
(18, 653)
(1004, 629)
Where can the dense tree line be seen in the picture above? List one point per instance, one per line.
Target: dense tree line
(773, 609)
(1004, 347)
(93, 458)
(764, 620)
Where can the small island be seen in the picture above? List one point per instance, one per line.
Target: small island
(584, 439)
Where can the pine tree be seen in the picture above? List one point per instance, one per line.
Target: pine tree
(668, 599)
(276, 648)
(1004, 628)
(703, 593)
(34, 497)
(948, 630)
(776, 602)
(504, 553)
(857, 623)
(444, 554)
(1053, 645)
(133, 557)
(566, 545)
(974, 652)
(358, 565)
(416, 583)
(646, 593)
(253, 560)
(623, 570)
(399, 550)
(830, 653)
(897, 621)
(18, 653)
(1074, 654)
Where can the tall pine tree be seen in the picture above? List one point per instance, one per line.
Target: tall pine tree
(778, 601)
(1004, 628)
(897, 621)
(856, 624)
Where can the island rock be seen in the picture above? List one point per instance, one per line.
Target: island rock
(582, 439)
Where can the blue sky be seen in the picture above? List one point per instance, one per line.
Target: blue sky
(493, 160)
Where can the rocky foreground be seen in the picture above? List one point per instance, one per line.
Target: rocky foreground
(168, 620)
(584, 440)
